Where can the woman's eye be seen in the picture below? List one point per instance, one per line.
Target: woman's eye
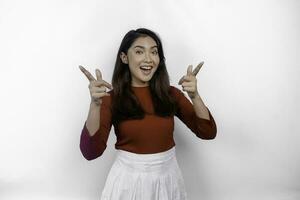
(154, 52)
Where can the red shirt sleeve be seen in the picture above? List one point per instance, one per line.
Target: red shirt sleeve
(93, 146)
(203, 128)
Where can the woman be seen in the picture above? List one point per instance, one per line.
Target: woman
(141, 106)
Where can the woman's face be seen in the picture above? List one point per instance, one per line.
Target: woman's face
(143, 59)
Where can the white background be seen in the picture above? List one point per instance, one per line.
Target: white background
(249, 81)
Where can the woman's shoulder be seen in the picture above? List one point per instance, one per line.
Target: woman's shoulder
(173, 88)
(175, 91)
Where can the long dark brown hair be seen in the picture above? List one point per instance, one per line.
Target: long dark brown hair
(125, 105)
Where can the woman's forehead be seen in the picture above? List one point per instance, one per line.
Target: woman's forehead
(144, 42)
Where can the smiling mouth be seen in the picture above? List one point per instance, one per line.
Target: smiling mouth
(146, 69)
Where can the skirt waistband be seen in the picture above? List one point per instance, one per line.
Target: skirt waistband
(146, 162)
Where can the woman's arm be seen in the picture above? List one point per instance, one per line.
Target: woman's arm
(199, 107)
(93, 140)
(204, 127)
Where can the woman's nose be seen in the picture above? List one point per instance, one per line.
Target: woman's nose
(147, 57)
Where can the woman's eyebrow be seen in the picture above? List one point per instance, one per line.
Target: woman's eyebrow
(144, 47)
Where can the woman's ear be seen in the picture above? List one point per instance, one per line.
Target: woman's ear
(124, 58)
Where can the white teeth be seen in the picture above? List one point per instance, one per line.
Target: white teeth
(144, 67)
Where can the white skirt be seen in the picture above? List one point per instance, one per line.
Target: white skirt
(145, 177)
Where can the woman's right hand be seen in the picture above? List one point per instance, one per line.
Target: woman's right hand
(96, 87)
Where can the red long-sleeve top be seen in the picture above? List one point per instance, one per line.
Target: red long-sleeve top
(152, 134)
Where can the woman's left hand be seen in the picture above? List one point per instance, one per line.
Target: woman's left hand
(189, 81)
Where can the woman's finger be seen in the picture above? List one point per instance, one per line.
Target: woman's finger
(98, 89)
(107, 84)
(189, 70)
(98, 74)
(99, 95)
(87, 73)
(181, 81)
(188, 89)
(194, 73)
(197, 69)
(101, 83)
(187, 84)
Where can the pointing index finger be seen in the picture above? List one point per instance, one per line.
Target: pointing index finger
(87, 73)
(197, 69)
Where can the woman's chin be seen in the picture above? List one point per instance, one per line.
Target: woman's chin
(146, 78)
